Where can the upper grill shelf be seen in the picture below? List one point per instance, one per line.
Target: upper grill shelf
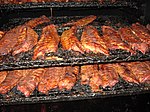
(24, 60)
(68, 4)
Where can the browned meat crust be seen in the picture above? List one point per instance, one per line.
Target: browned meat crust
(134, 42)
(91, 41)
(11, 80)
(50, 79)
(113, 39)
(68, 78)
(69, 40)
(21, 38)
(48, 43)
(29, 82)
(81, 22)
(141, 32)
(3, 75)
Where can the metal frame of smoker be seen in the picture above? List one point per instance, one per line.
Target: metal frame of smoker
(9, 12)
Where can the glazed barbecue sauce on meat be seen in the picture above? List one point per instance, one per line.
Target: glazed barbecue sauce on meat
(91, 41)
(69, 40)
(141, 32)
(21, 38)
(3, 75)
(29, 82)
(50, 79)
(48, 43)
(133, 41)
(11, 80)
(140, 70)
(81, 22)
(68, 78)
(113, 40)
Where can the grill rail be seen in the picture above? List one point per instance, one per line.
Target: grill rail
(123, 3)
(77, 93)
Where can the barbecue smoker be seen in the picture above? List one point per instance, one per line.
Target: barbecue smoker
(124, 96)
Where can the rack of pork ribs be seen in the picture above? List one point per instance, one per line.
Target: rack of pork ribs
(57, 41)
(67, 58)
(22, 4)
(74, 82)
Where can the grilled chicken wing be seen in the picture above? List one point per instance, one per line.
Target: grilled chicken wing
(135, 43)
(21, 38)
(113, 39)
(11, 80)
(50, 79)
(69, 78)
(48, 43)
(91, 41)
(3, 75)
(81, 22)
(70, 42)
(28, 84)
(141, 32)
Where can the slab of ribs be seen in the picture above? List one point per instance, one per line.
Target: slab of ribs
(97, 76)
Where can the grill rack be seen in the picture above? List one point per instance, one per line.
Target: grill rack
(78, 92)
(94, 3)
(24, 60)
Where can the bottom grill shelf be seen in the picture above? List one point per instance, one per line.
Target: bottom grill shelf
(77, 93)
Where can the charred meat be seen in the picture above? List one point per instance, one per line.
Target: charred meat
(37, 21)
(140, 70)
(27, 40)
(125, 73)
(109, 76)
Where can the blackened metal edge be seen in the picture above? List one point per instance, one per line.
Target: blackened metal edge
(60, 98)
(67, 4)
(71, 62)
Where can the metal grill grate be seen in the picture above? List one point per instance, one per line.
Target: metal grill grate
(24, 60)
(122, 3)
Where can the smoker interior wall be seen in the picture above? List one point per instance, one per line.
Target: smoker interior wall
(147, 11)
(5, 16)
(136, 103)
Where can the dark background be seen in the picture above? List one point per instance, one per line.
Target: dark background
(134, 103)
